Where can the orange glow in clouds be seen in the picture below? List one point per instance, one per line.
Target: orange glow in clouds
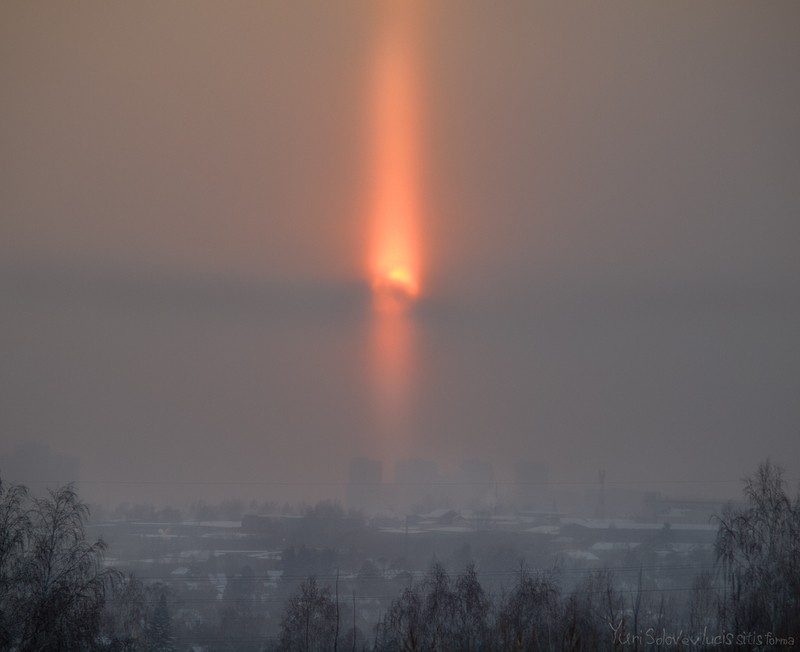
(394, 264)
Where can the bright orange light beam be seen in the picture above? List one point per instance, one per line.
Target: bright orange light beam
(393, 260)
(394, 263)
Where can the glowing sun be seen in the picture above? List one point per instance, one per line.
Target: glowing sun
(397, 282)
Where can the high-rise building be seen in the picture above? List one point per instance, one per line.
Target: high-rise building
(417, 485)
(365, 485)
(38, 467)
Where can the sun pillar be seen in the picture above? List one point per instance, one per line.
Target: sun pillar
(395, 212)
(394, 261)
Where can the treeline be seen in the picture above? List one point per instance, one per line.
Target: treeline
(454, 613)
(751, 600)
(56, 593)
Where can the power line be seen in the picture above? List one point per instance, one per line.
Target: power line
(345, 483)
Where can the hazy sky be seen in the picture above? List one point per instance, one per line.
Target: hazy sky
(610, 236)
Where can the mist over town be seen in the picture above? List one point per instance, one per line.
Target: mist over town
(399, 325)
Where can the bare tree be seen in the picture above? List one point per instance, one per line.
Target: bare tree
(403, 628)
(64, 576)
(426, 616)
(472, 612)
(757, 549)
(702, 606)
(14, 528)
(125, 622)
(530, 615)
(594, 614)
(439, 606)
(309, 619)
(53, 584)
